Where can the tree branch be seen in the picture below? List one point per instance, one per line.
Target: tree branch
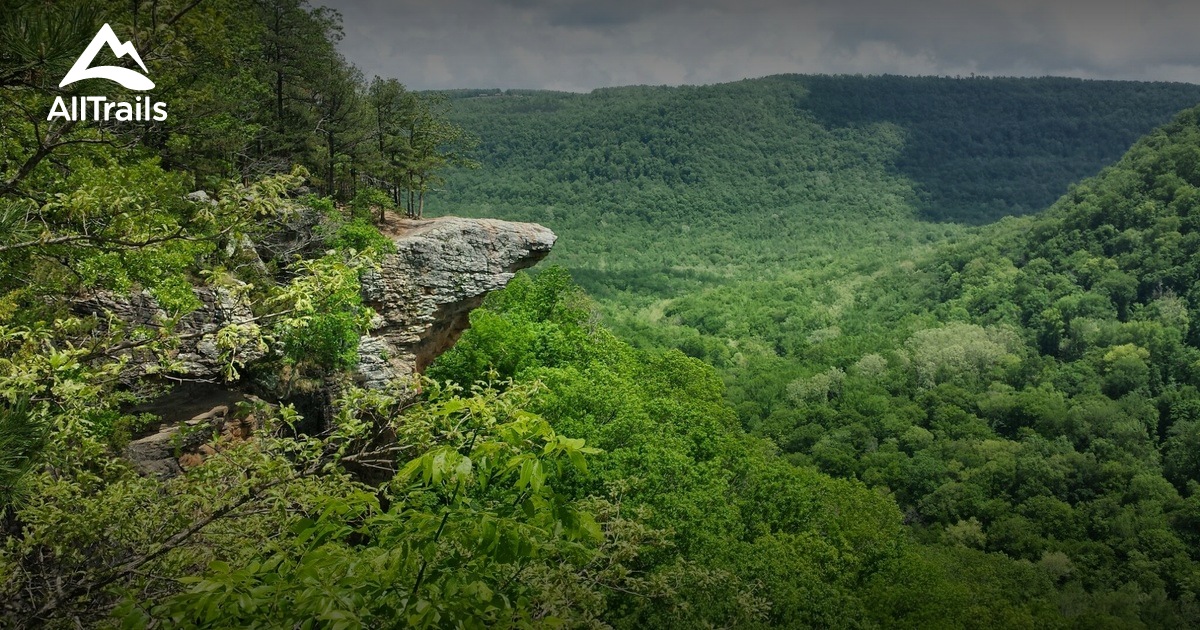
(45, 148)
(175, 541)
(182, 12)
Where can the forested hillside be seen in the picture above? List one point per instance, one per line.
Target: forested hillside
(420, 504)
(653, 187)
(1028, 397)
(983, 148)
(973, 149)
(1032, 390)
(1027, 390)
(659, 189)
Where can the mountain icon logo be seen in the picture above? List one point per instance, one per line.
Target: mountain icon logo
(131, 79)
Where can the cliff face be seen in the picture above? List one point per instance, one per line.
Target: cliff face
(422, 294)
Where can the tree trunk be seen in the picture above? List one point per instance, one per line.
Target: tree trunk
(278, 69)
(330, 189)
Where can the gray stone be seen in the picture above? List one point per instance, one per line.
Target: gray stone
(197, 350)
(157, 454)
(422, 294)
(200, 196)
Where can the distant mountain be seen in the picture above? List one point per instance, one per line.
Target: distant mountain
(659, 190)
(976, 149)
(1128, 240)
(984, 148)
(1021, 391)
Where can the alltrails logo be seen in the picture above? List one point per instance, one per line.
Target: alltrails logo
(100, 107)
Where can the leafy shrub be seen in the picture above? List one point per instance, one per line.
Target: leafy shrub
(324, 205)
(327, 317)
(360, 235)
(21, 439)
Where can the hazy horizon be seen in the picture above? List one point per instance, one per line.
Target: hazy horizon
(504, 88)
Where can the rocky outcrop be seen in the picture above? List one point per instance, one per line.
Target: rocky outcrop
(179, 443)
(422, 294)
(159, 453)
(197, 354)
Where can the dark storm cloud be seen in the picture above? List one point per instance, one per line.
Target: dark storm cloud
(594, 14)
(577, 45)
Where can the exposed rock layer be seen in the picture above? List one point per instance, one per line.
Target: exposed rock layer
(197, 355)
(176, 445)
(422, 294)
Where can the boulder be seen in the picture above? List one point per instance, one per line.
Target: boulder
(165, 453)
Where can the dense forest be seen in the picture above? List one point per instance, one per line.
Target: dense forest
(1016, 389)
(969, 150)
(1032, 390)
(657, 192)
(773, 380)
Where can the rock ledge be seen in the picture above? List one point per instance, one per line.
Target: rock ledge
(423, 294)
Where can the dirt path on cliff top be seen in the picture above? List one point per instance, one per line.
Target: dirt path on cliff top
(396, 225)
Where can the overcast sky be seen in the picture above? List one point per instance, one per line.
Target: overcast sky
(579, 45)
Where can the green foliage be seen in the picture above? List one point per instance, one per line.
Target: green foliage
(477, 527)
(116, 429)
(1026, 392)
(21, 438)
(473, 508)
(662, 192)
(913, 424)
(89, 210)
(974, 158)
(324, 206)
(360, 235)
(249, 96)
(368, 203)
(1030, 391)
(325, 315)
(791, 546)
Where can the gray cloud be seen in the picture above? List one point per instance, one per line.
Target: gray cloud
(579, 45)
